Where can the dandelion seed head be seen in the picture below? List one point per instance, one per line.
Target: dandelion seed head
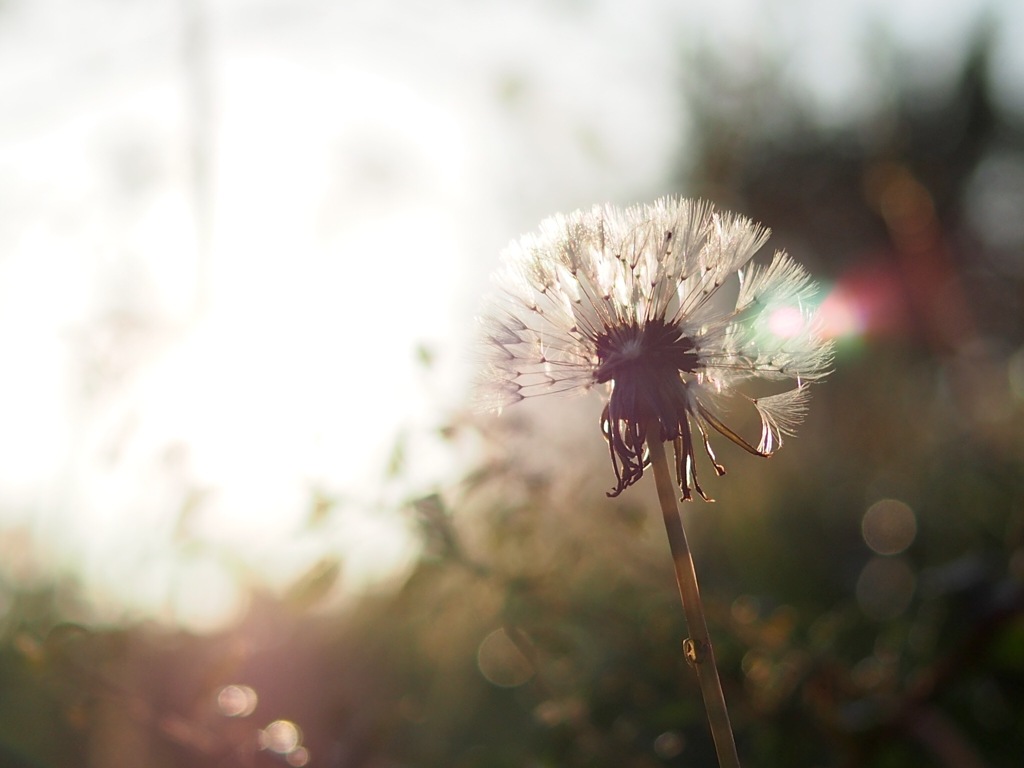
(662, 305)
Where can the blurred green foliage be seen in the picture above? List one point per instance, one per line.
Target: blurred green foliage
(541, 627)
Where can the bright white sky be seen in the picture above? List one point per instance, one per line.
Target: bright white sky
(367, 162)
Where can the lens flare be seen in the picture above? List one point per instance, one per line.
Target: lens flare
(841, 315)
(786, 322)
(869, 299)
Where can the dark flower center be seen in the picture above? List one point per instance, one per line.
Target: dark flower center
(643, 363)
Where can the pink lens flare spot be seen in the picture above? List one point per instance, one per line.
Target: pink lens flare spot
(841, 315)
(786, 322)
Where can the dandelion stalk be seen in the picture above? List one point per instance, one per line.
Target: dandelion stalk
(698, 649)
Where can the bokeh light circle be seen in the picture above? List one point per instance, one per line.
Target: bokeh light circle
(281, 736)
(885, 588)
(501, 662)
(237, 700)
(889, 526)
(669, 744)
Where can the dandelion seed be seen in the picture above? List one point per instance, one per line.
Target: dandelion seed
(661, 305)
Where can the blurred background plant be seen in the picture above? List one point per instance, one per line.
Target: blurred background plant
(864, 587)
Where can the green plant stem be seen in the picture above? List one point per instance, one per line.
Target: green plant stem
(698, 650)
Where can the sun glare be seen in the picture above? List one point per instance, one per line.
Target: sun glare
(286, 354)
